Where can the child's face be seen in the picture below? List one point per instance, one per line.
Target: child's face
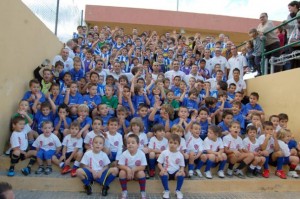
(97, 126)
(167, 84)
(228, 119)
(82, 82)
(101, 79)
(19, 126)
(103, 109)
(236, 109)
(109, 91)
(183, 113)
(236, 75)
(143, 112)
(203, 115)
(255, 119)
(74, 130)
(121, 114)
(35, 88)
(98, 144)
(62, 112)
(141, 83)
(123, 82)
(182, 85)
(135, 128)
(288, 137)
(46, 111)
(59, 68)
(195, 130)
(83, 113)
(170, 96)
(112, 127)
(89, 56)
(211, 135)
(93, 90)
(156, 91)
(24, 106)
(231, 89)
(109, 81)
(192, 82)
(77, 66)
(73, 89)
(176, 81)
(173, 145)
(275, 121)
(132, 145)
(55, 90)
(141, 91)
(207, 85)
(269, 130)
(253, 100)
(283, 123)
(193, 96)
(94, 79)
(47, 76)
(47, 129)
(235, 130)
(160, 134)
(238, 97)
(252, 134)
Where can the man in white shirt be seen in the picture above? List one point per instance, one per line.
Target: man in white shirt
(175, 72)
(193, 73)
(219, 59)
(236, 61)
(209, 64)
(70, 45)
(239, 82)
(64, 57)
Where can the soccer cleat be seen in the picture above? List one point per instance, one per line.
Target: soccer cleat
(198, 172)
(66, 169)
(179, 195)
(191, 173)
(221, 174)
(257, 172)
(124, 195)
(73, 172)
(229, 173)
(208, 175)
(293, 174)
(239, 174)
(266, 173)
(26, 171)
(143, 195)
(249, 173)
(152, 173)
(11, 172)
(40, 170)
(48, 170)
(88, 189)
(166, 194)
(105, 190)
(280, 174)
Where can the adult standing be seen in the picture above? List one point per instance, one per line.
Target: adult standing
(70, 46)
(64, 57)
(175, 72)
(271, 39)
(236, 61)
(293, 9)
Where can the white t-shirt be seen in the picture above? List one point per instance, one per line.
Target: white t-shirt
(236, 62)
(233, 143)
(194, 144)
(209, 65)
(172, 73)
(220, 60)
(215, 146)
(90, 136)
(270, 146)
(143, 139)
(240, 85)
(158, 144)
(95, 161)
(171, 161)
(71, 143)
(138, 159)
(47, 143)
(68, 64)
(19, 139)
(284, 148)
(250, 146)
(115, 141)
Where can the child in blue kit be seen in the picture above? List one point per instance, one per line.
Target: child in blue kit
(223, 103)
(123, 122)
(103, 112)
(92, 100)
(35, 91)
(231, 92)
(62, 121)
(253, 107)
(238, 116)
(124, 99)
(65, 83)
(165, 117)
(132, 164)
(47, 145)
(95, 167)
(176, 86)
(204, 121)
(157, 144)
(84, 120)
(142, 112)
(227, 118)
(183, 114)
(139, 96)
(46, 112)
(76, 72)
(190, 102)
(73, 98)
(171, 165)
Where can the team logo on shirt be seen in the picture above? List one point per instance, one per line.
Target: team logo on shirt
(177, 161)
(74, 144)
(142, 142)
(41, 143)
(138, 163)
(101, 163)
(196, 146)
(271, 146)
(116, 143)
(51, 144)
(237, 146)
(162, 148)
(19, 139)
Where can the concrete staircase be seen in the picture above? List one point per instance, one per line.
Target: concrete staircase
(57, 183)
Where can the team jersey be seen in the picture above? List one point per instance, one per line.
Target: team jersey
(115, 142)
(71, 143)
(284, 148)
(19, 139)
(135, 160)
(143, 139)
(250, 146)
(214, 146)
(95, 161)
(171, 161)
(270, 145)
(62, 125)
(158, 144)
(47, 143)
(193, 144)
(233, 143)
(90, 136)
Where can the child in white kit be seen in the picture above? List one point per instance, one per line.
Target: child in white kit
(115, 139)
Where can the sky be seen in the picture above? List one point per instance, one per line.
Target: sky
(276, 9)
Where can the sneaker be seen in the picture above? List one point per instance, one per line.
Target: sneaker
(229, 173)
(88, 189)
(48, 170)
(40, 170)
(280, 174)
(179, 194)
(26, 171)
(152, 173)
(7, 152)
(105, 190)
(249, 173)
(221, 174)
(208, 175)
(257, 172)
(66, 169)
(147, 174)
(293, 174)
(239, 174)
(124, 195)
(191, 173)
(198, 172)
(11, 172)
(166, 194)
(73, 172)
(266, 173)
(143, 195)
(297, 167)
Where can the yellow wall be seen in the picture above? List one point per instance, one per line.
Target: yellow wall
(279, 93)
(25, 43)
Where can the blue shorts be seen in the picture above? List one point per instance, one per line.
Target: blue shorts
(45, 155)
(90, 177)
(286, 160)
(113, 156)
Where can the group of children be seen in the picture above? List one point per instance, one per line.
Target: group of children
(130, 129)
